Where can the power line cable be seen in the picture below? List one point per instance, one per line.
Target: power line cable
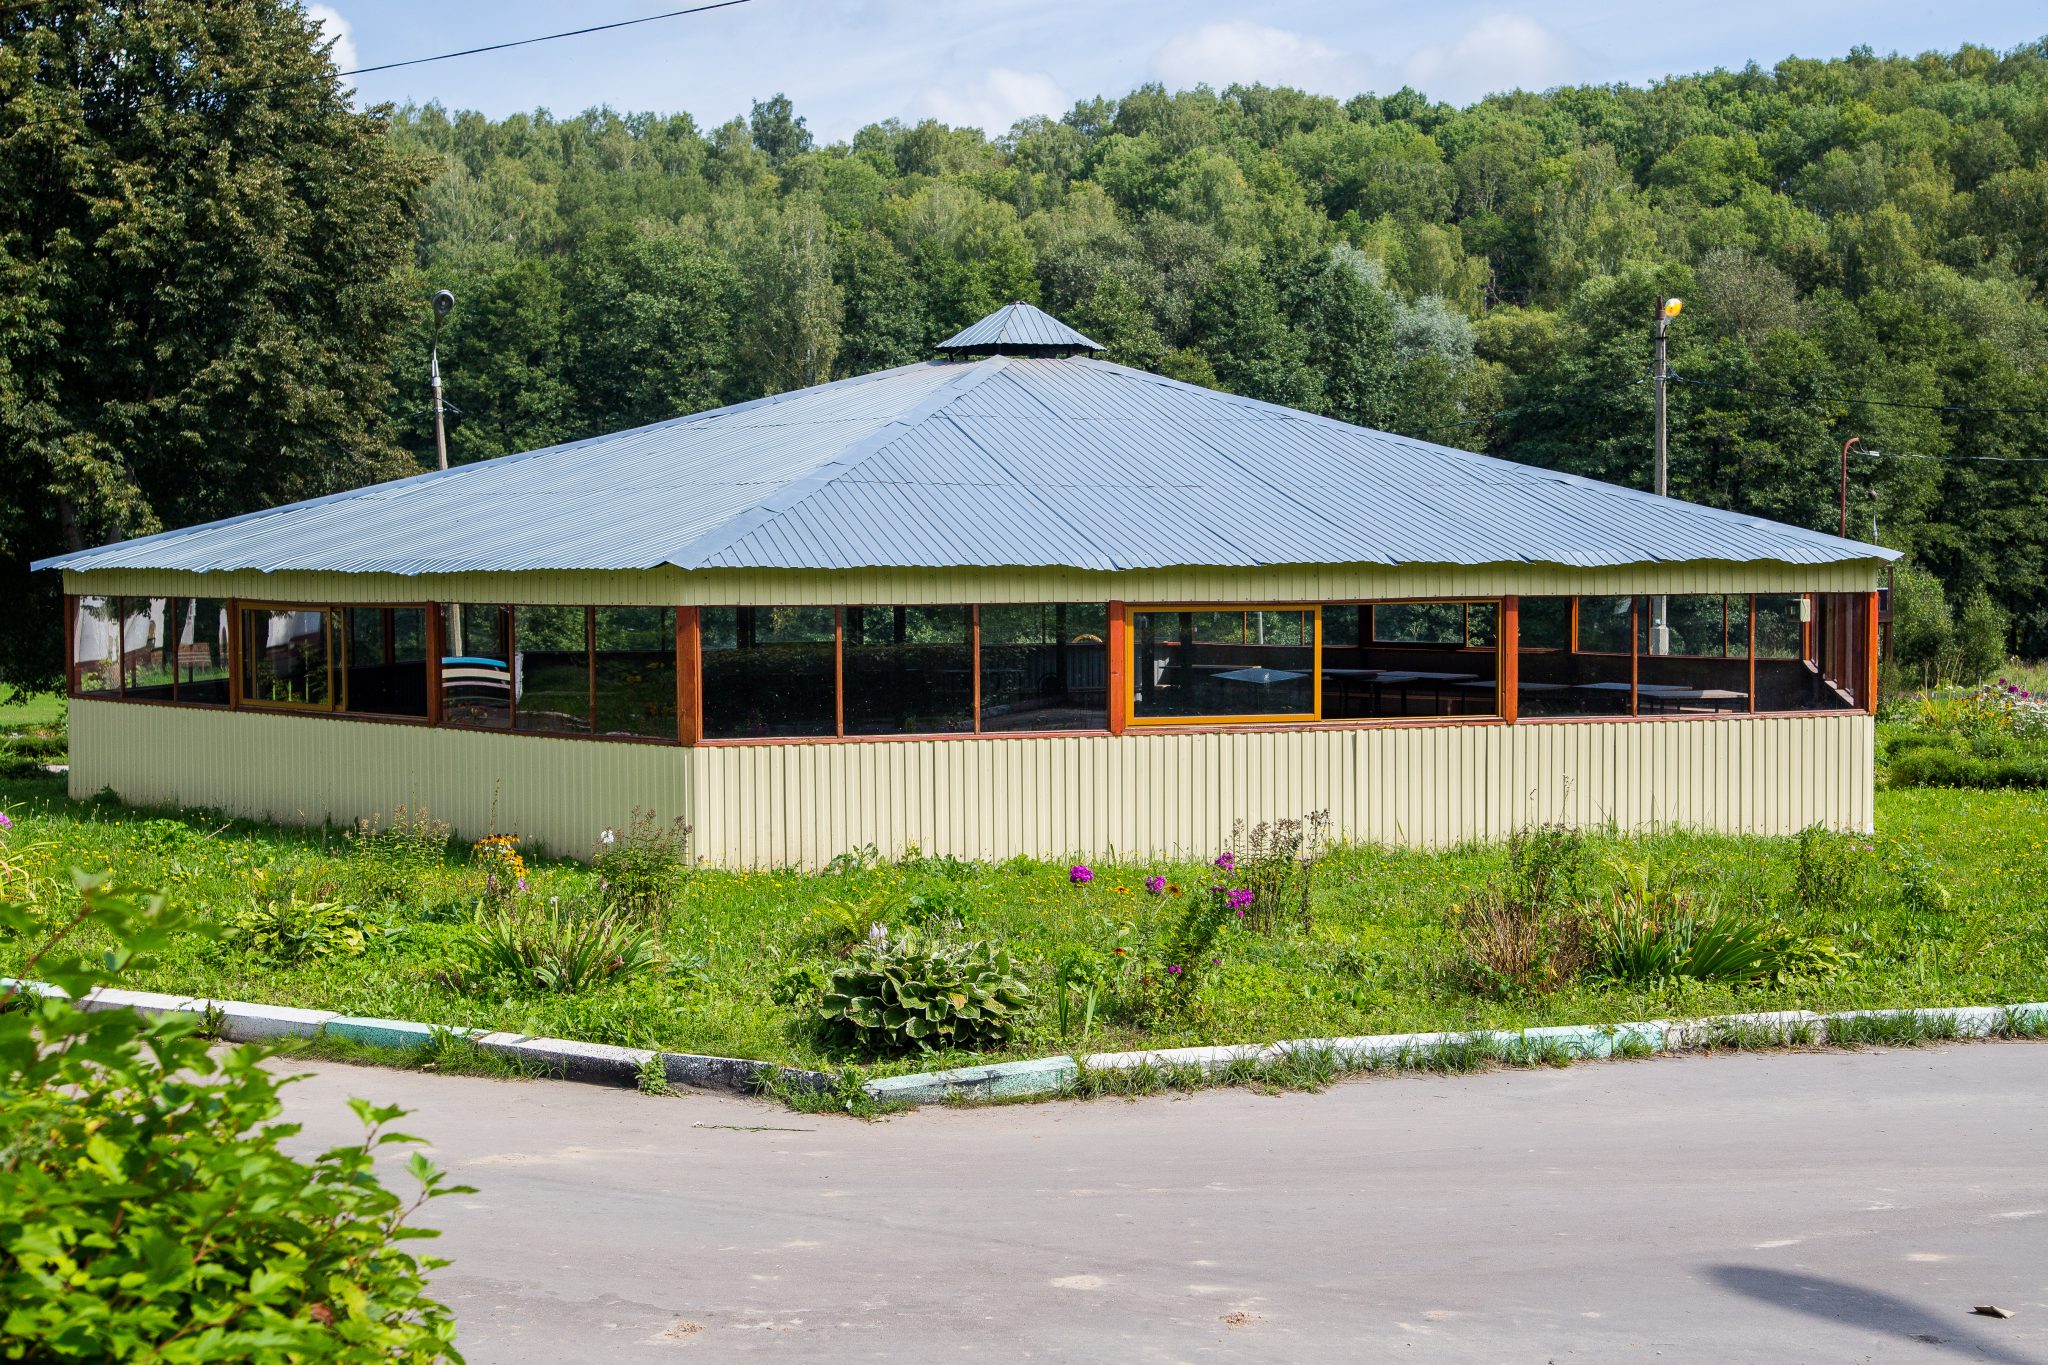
(1797, 397)
(422, 61)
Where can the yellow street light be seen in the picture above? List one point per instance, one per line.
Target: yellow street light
(1673, 307)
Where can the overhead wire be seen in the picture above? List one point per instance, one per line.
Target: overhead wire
(420, 61)
(1846, 399)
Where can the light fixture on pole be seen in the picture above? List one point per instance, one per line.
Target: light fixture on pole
(444, 304)
(1660, 606)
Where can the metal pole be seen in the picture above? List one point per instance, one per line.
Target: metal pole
(440, 426)
(1660, 617)
(1853, 440)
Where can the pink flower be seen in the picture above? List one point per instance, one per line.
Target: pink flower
(1156, 885)
(1174, 970)
(1079, 875)
(1227, 861)
(5, 823)
(1240, 899)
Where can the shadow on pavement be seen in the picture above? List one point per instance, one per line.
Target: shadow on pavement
(1853, 1306)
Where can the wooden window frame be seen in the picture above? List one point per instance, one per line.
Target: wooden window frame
(1133, 720)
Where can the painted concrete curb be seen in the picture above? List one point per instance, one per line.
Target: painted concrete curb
(1781, 1028)
(604, 1064)
(595, 1063)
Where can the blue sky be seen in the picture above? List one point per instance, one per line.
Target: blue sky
(990, 62)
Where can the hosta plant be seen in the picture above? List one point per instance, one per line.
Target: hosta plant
(908, 994)
(285, 929)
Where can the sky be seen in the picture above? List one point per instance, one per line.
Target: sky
(846, 63)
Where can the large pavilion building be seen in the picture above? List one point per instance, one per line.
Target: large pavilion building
(1012, 600)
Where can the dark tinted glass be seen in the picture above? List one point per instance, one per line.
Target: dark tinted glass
(636, 672)
(1045, 666)
(1223, 663)
(768, 672)
(551, 673)
(201, 642)
(386, 665)
(909, 670)
(476, 665)
(285, 657)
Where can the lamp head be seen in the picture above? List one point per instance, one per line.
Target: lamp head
(1673, 307)
(444, 303)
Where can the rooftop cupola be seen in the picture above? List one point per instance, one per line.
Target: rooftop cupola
(1018, 329)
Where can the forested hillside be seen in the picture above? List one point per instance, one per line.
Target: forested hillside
(1843, 232)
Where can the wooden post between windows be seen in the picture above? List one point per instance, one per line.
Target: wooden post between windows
(437, 646)
(1752, 653)
(1507, 672)
(689, 676)
(70, 645)
(1119, 668)
(1872, 647)
(1635, 655)
(234, 652)
(974, 667)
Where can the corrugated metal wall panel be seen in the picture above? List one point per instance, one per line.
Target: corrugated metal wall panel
(1430, 786)
(298, 770)
(804, 803)
(785, 587)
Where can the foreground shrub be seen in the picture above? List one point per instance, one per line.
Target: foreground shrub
(1524, 933)
(552, 947)
(1651, 932)
(1276, 861)
(389, 859)
(286, 930)
(908, 994)
(642, 869)
(145, 1209)
(1929, 766)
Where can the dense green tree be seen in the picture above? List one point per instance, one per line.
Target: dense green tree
(204, 266)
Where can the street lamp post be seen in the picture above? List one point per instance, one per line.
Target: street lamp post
(444, 304)
(1660, 606)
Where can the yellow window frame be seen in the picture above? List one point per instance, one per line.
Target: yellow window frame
(335, 703)
(1133, 611)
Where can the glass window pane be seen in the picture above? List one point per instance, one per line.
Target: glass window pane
(909, 670)
(145, 648)
(201, 632)
(1546, 623)
(1419, 623)
(1605, 624)
(636, 671)
(1698, 626)
(1555, 680)
(1780, 630)
(96, 645)
(379, 682)
(1341, 626)
(1213, 664)
(285, 657)
(476, 666)
(1418, 659)
(1045, 666)
(769, 672)
(551, 673)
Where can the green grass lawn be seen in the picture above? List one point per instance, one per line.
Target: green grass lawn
(37, 712)
(1374, 959)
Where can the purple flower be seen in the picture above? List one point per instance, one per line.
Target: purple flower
(490, 881)
(1156, 885)
(1240, 899)
(1227, 861)
(1174, 970)
(5, 823)
(522, 883)
(1215, 962)
(1079, 875)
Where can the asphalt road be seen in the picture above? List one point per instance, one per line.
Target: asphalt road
(1821, 1207)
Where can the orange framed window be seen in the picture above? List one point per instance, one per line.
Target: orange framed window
(1207, 664)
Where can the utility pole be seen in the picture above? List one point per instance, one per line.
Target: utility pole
(1852, 441)
(444, 304)
(1660, 606)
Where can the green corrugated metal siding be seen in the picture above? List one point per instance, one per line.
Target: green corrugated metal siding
(783, 587)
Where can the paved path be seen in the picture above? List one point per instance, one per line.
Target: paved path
(1821, 1207)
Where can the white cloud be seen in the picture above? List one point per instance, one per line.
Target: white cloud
(1501, 52)
(999, 99)
(1240, 53)
(332, 25)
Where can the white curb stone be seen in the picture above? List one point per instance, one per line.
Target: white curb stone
(242, 1023)
(142, 1002)
(1209, 1059)
(1777, 1026)
(1040, 1076)
(598, 1063)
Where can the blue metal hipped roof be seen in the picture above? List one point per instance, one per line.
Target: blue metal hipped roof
(1005, 461)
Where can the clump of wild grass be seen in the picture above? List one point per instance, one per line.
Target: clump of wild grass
(551, 946)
